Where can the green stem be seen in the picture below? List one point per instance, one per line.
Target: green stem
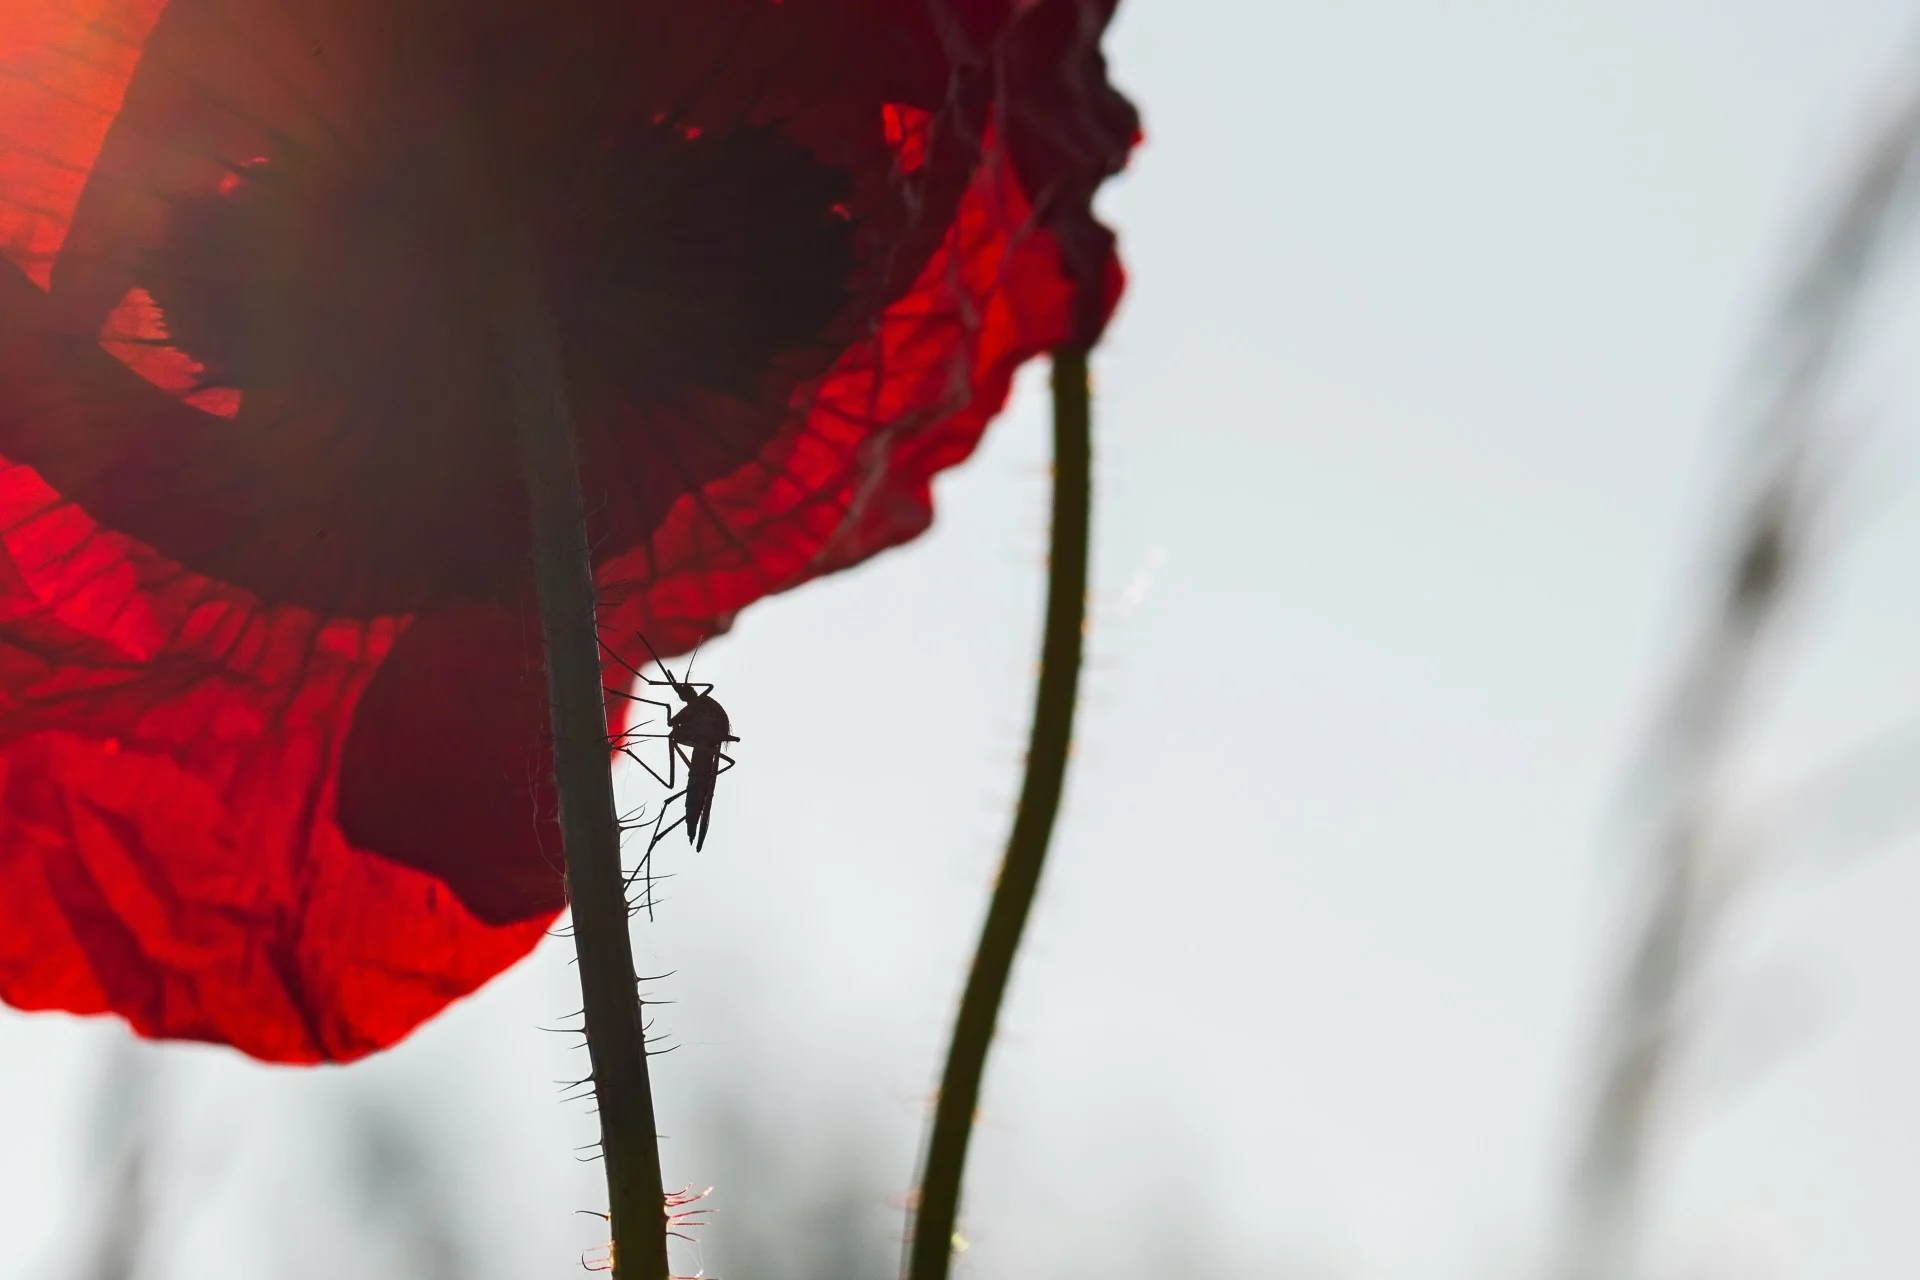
(931, 1241)
(583, 776)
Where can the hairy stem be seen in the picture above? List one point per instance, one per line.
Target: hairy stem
(931, 1238)
(583, 776)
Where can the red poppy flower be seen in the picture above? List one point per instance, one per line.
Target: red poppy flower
(272, 763)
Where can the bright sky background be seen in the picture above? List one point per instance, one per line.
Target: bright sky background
(1406, 439)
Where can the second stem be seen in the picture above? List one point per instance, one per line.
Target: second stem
(930, 1249)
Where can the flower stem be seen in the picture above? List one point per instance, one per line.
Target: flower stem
(583, 776)
(931, 1237)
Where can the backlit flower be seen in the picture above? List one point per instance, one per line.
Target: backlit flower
(272, 761)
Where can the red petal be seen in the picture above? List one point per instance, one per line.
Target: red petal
(447, 766)
(64, 68)
(169, 845)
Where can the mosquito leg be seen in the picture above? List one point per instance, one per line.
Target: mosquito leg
(644, 866)
(626, 666)
(627, 736)
(642, 869)
(660, 834)
(634, 756)
(636, 735)
(621, 740)
(673, 756)
(675, 752)
(654, 840)
(634, 697)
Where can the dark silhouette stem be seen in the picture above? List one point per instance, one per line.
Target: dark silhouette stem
(931, 1240)
(563, 574)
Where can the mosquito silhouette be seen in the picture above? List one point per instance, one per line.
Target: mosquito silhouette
(695, 735)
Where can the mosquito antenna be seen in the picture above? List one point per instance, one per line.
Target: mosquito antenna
(691, 659)
(664, 670)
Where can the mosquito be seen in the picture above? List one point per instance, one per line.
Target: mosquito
(695, 735)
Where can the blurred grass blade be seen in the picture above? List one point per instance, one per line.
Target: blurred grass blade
(1782, 407)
